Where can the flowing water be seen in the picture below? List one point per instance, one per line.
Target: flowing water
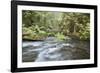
(52, 49)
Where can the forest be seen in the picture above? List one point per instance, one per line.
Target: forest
(55, 36)
(38, 25)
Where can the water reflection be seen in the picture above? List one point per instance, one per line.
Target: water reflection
(53, 50)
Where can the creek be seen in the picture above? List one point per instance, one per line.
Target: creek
(52, 49)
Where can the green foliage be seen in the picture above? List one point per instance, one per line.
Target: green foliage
(60, 36)
(37, 25)
(85, 33)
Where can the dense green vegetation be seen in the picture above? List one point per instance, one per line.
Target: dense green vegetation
(37, 25)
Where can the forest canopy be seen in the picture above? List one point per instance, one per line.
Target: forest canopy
(38, 25)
